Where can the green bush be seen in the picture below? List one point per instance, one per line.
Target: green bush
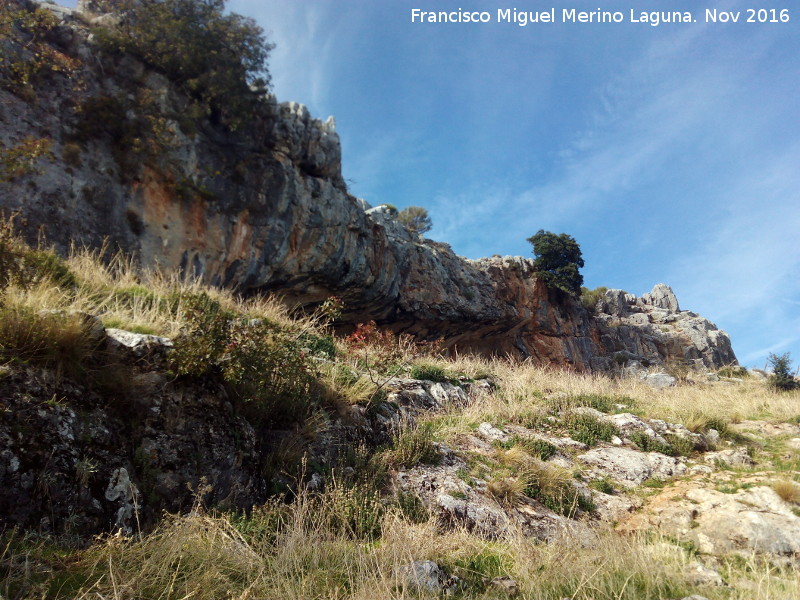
(589, 430)
(646, 443)
(533, 446)
(559, 495)
(264, 365)
(219, 59)
(781, 379)
(604, 485)
(733, 371)
(413, 445)
(321, 345)
(415, 219)
(558, 258)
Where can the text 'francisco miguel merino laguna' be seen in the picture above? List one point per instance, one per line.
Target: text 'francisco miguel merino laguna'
(564, 15)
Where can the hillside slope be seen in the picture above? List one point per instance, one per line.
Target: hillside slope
(267, 210)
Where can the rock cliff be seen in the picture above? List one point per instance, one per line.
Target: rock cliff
(267, 210)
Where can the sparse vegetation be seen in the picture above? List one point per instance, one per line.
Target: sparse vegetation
(590, 298)
(347, 538)
(415, 219)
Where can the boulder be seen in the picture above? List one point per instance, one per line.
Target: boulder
(630, 467)
(747, 521)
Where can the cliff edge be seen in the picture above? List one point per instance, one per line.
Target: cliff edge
(267, 210)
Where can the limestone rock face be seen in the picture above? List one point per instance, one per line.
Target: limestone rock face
(653, 330)
(267, 210)
(750, 520)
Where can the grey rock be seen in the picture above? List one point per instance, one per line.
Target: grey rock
(750, 520)
(490, 432)
(630, 467)
(137, 345)
(733, 457)
(660, 381)
(699, 574)
(426, 575)
(505, 585)
(662, 296)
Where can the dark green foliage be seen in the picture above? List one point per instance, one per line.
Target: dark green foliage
(264, 365)
(46, 264)
(219, 59)
(733, 371)
(781, 379)
(27, 58)
(321, 345)
(23, 266)
(20, 159)
(589, 430)
(603, 485)
(590, 298)
(558, 258)
(683, 446)
(646, 443)
(415, 219)
(477, 569)
(412, 507)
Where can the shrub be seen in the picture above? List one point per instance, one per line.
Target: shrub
(20, 159)
(604, 485)
(733, 371)
(553, 487)
(379, 350)
(26, 57)
(558, 258)
(646, 443)
(415, 219)
(781, 379)
(589, 430)
(533, 446)
(264, 364)
(590, 298)
(219, 60)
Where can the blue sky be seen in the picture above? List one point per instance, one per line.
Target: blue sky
(671, 153)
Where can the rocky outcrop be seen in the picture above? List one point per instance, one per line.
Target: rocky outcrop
(267, 210)
(653, 329)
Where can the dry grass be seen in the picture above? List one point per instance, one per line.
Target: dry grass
(294, 553)
(348, 543)
(129, 297)
(787, 490)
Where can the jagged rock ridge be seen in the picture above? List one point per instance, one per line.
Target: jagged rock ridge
(269, 212)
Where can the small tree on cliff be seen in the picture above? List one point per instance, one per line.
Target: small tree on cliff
(558, 258)
(219, 59)
(416, 219)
